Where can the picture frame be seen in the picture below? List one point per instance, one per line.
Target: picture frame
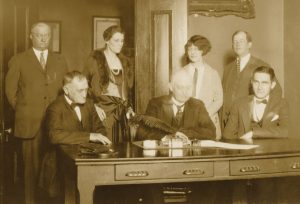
(55, 41)
(100, 24)
(217, 8)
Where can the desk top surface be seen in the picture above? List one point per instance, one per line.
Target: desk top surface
(128, 152)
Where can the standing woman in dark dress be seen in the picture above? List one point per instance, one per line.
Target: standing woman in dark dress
(110, 75)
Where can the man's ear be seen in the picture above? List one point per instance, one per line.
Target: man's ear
(30, 36)
(66, 91)
(250, 44)
(273, 84)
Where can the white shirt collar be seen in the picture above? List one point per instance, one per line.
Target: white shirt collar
(177, 103)
(69, 101)
(244, 60)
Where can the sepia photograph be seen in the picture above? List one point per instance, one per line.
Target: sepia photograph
(149, 101)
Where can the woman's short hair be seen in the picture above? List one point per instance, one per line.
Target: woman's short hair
(110, 31)
(199, 41)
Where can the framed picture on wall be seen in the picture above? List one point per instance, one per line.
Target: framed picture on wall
(55, 41)
(100, 24)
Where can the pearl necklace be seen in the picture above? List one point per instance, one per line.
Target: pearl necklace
(115, 71)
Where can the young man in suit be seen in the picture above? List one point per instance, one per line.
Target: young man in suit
(72, 118)
(33, 81)
(179, 110)
(261, 115)
(238, 73)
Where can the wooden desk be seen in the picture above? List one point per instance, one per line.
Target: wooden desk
(273, 158)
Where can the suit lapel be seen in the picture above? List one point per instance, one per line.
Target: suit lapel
(83, 115)
(72, 112)
(247, 109)
(267, 116)
(188, 111)
(168, 110)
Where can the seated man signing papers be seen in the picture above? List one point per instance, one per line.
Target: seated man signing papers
(72, 118)
(185, 117)
(261, 115)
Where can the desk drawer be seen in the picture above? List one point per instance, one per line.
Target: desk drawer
(258, 166)
(164, 170)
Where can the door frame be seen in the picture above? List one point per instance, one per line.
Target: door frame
(2, 137)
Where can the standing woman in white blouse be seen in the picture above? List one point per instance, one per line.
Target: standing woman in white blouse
(110, 75)
(207, 82)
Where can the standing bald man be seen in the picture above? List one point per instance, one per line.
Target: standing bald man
(33, 81)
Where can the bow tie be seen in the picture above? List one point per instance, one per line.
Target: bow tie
(264, 101)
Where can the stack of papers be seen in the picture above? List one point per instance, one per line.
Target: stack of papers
(211, 143)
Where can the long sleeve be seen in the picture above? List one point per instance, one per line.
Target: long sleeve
(217, 98)
(59, 134)
(12, 81)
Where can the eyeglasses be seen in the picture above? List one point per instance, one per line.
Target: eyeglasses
(41, 36)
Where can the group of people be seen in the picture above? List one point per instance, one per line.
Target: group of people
(70, 107)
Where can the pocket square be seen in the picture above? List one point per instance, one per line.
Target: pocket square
(275, 117)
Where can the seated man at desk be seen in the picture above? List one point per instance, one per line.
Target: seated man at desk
(72, 118)
(261, 115)
(187, 115)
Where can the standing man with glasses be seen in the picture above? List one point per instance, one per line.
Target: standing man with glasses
(33, 81)
(237, 74)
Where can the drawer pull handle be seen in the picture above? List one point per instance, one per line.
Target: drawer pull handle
(137, 174)
(295, 165)
(250, 169)
(193, 172)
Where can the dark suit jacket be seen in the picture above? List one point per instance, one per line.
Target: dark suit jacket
(30, 89)
(235, 88)
(196, 122)
(273, 126)
(64, 126)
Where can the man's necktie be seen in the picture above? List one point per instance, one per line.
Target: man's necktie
(42, 60)
(179, 114)
(195, 79)
(238, 66)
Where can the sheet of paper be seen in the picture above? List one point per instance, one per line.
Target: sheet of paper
(211, 143)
